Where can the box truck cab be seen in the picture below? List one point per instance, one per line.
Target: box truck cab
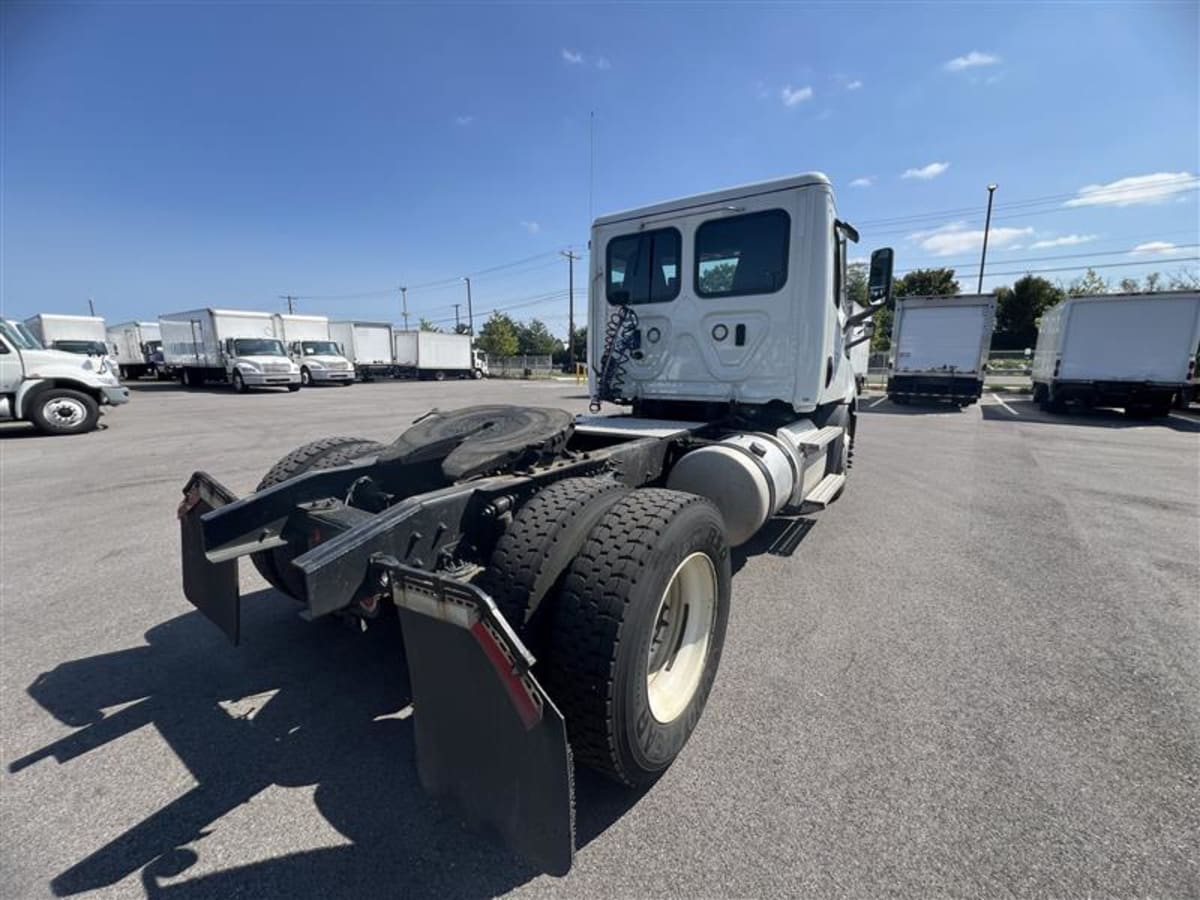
(238, 347)
(1134, 351)
(309, 346)
(940, 347)
(59, 392)
(137, 348)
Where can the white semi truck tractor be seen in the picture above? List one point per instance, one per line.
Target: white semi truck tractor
(58, 391)
(563, 583)
(234, 346)
(310, 347)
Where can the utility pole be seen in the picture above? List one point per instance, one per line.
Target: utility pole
(404, 305)
(571, 257)
(456, 306)
(987, 226)
(91, 307)
(470, 313)
(289, 298)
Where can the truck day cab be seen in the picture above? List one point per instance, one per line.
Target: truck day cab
(309, 346)
(563, 583)
(235, 346)
(59, 392)
(1135, 351)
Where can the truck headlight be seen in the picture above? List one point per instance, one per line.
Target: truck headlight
(248, 367)
(313, 364)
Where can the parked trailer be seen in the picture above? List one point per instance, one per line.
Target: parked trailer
(71, 334)
(940, 347)
(235, 346)
(1136, 351)
(566, 581)
(431, 354)
(59, 392)
(368, 345)
(137, 348)
(310, 347)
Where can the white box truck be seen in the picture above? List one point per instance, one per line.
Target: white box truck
(59, 392)
(940, 347)
(1135, 351)
(431, 354)
(368, 345)
(72, 334)
(235, 346)
(310, 347)
(137, 348)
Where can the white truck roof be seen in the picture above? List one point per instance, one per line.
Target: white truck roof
(216, 311)
(680, 204)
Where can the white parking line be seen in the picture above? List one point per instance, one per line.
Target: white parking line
(996, 397)
(877, 402)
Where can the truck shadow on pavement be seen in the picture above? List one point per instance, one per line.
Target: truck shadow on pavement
(888, 408)
(301, 705)
(1028, 413)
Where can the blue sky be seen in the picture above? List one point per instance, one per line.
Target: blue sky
(167, 156)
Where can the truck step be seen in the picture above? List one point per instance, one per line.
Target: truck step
(819, 438)
(824, 493)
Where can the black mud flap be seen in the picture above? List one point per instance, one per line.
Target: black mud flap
(210, 587)
(488, 737)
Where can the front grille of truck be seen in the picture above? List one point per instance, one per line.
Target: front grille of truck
(276, 367)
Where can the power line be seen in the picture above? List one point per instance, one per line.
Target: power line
(1035, 259)
(1120, 265)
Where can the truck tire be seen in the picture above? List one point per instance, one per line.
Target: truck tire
(273, 565)
(293, 387)
(305, 377)
(637, 632)
(531, 557)
(477, 374)
(439, 375)
(239, 383)
(63, 411)
(841, 451)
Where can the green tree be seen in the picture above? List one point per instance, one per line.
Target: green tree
(427, 325)
(856, 283)
(718, 278)
(561, 357)
(1184, 280)
(1019, 309)
(1087, 284)
(917, 283)
(498, 336)
(1129, 286)
(535, 339)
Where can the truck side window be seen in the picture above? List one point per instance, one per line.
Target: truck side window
(743, 254)
(3, 348)
(644, 267)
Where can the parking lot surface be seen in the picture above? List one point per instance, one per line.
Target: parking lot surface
(976, 674)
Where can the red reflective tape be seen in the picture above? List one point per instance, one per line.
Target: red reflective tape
(526, 709)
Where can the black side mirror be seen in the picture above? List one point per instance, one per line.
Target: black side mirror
(879, 285)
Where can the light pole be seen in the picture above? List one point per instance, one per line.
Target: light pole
(456, 306)
(987, 225)
(404, 305)
(571, 257)
(470, 314)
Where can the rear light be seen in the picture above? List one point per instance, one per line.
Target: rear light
(1057, 363)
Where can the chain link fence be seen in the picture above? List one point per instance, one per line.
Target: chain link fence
(520, 366)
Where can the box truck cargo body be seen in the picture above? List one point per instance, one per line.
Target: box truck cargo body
(1135, 351)
(940, 347)
(236, 346)
(311, 348)
(368, 345)
(137, 348)
(430, 354)
(73, 334)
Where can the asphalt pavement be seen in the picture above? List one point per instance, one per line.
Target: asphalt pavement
(975, 674)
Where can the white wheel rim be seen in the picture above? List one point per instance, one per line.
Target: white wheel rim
(683, 628)
(65, 412)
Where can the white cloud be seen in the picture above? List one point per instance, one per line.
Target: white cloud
(792, 96)
(574, 57)
(463, 120)
(1137, 189)
(853, 85)
(1161, 248)
(864, 181)
(1067, 240)
(956, 238)
(603, 63)
(971, 60)
(933, 170)
(531, 227)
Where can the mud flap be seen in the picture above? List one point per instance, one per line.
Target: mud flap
(210, 587)
(488, 737)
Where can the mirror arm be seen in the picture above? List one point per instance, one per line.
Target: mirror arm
(860, 317)
(857, 341)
